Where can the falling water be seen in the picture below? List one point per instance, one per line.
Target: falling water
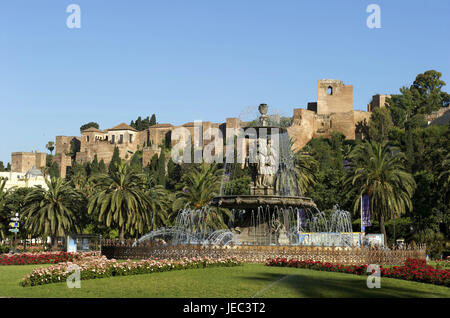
(282, 226)
(286, 177)
(191, 227)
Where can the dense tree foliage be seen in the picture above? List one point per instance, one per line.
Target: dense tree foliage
(3, 212)
(422, 97)
(51, 168)
(142, 124)
(89, 125)
(330, 155)
(380, 124)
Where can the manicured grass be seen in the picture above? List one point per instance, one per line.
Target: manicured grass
(242, 281)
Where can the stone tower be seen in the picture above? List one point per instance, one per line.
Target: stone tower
(334, 97)
(378, 101)
(24, 161)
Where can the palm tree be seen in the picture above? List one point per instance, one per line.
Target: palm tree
(79, 180)
(3, 215)
(52, 212)
(444, 177)
(159, 201)
(50, 146)
(121, 200)
(199, 187)
(305, 167)
(378, 170)
(82, 183)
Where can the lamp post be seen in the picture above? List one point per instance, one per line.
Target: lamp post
(395, 239)
(15, 228)
(15, 236)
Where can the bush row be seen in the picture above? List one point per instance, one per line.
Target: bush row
(412, 270)
(40, 258)
(92, 267)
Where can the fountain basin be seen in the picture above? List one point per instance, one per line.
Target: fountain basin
(254, 201)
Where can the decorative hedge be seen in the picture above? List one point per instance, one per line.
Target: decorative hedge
(92, 267)
(412, 270)
(260, 253)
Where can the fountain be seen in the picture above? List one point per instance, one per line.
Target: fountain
(274, 212)
(190, 228)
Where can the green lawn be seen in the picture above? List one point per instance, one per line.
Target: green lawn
(242, 281)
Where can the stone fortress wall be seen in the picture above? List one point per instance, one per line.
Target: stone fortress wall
(333, 111)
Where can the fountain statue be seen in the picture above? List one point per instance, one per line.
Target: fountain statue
(266, 168)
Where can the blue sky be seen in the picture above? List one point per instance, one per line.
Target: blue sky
(191, 60)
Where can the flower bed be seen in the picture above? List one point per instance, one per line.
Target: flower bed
(413, 270)
(443, 264)
(41, 258)
(98, 267)
(418, 270)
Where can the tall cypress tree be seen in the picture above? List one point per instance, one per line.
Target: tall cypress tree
(102, 167)
(153, 120)
(409, 148)
(145, 123)
(136, 162)
(154, 163)
(161, 173)
(94, 165)
(54, 170)
(173, 174)
(115, 161)
(139, 123)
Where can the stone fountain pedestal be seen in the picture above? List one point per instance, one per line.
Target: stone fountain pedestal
(261, 190)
